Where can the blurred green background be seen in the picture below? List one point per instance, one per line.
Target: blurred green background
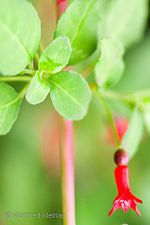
(29, 155)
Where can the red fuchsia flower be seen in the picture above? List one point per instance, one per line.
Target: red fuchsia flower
(60, 1)
(125, 199)
(121, 125)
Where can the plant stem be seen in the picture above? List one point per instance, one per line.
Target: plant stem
(23, 91)
(26, 71)
(16, 78)
(110, 117)
(30, 66)
(129, 97)
(68, 198)
(126, 97)
(41, 47)
(37, 57)
(67, 160)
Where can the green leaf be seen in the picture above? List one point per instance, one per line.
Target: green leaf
(146, 115)
(80, 23)
(110, 66)
(133, 136)
(70, 94)
(126, 20)
(9, 107)
(38, 90)
(137, 73)
(19, 35)
(56, 56)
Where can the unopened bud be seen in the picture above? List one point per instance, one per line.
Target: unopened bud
(121, 157)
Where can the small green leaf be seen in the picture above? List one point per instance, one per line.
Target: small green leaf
(110, 66)
(126, 20)
(70, 94)
(19, 35)
(56, 56)
(133, 136)
(38, 90)
(80, 23)
(9, 107)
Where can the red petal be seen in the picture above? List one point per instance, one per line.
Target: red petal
(125, 202)
(134, 207)
(137, 199)
(115, 207)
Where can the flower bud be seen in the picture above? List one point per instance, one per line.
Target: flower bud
(121, 157)
(121, 126)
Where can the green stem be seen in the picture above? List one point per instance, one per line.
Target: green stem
(30, 66)
(26, 71)
(41, 47)
(37, 58)
(128, 97)
(138, 94)
(23, 91)
(16, 78)
(110, 117)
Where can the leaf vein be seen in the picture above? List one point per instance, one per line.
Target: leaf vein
(4, 117)
(17, 39)
(68, 95)
(10, 103)
(80, 22)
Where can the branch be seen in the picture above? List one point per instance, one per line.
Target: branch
(68, 198)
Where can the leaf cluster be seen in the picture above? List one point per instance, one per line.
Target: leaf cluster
(85, 28)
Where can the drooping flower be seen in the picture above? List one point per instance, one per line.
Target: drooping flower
(125, 199)
(60, 1)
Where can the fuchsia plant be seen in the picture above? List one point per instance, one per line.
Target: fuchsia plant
(91, 38)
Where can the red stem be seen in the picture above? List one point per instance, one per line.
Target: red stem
(68, 198)
(68, 194)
